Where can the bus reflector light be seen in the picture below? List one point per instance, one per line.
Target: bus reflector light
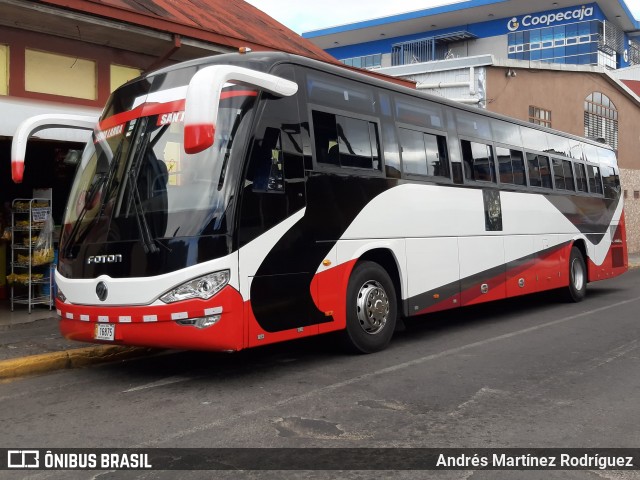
(203, 287)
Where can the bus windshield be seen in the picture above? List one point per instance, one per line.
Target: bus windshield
(136, 183)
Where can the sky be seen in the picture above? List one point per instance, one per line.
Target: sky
(303, 16)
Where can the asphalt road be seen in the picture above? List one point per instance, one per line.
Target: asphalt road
(528, 372)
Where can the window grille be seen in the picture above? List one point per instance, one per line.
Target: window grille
(601, 119)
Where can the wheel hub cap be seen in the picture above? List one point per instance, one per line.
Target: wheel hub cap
(373, 307)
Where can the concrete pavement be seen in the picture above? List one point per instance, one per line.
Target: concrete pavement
(30, 343)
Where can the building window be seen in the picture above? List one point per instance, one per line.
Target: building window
(366, 61)
(4, 70)
(574, 43)
(636, 194)
(55, 74)
(601, 119)
(539, 116)
(121, 75)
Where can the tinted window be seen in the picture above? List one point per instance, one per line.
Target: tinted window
(563, 174)
(558, 174)
(473, 125)
(568, 175)
(345, 141)
(534, 139)
(590, 152)
(559, 145)
(505, 132)
(607, 157)
(581, 177)
(413, 152)
(539, 173)
(412, 111)
(575, 149)
(595, 183)
(391, 151)
(355, 142)
(511, 166)
(478, 161)
(611, 182)
(423, 153)
(339, 92)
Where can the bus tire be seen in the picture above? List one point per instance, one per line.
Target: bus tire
(371, 309)
(577, 288)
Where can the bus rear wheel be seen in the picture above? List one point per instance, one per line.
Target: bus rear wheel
(577, 288)
(371, 309)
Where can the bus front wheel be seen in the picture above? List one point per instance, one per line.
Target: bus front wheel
(577, 288)
(371, 309)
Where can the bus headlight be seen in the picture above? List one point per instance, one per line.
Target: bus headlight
(203, 287)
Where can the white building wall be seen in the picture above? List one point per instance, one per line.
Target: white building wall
(466, 85)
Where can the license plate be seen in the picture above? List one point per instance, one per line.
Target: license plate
(105, 331)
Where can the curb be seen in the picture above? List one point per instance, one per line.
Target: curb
(66, 359)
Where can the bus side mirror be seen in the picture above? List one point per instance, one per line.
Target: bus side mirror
(41, 122)
(203, 98)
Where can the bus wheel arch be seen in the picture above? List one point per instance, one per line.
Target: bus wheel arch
(372, 303)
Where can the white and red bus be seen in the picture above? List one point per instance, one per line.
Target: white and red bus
(241, 200)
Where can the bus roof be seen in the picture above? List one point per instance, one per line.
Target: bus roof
(265, 61)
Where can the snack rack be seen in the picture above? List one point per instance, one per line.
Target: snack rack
(31, 253)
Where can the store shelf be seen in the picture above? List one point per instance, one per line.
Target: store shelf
(31, 278)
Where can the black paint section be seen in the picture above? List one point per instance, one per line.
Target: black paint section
(281, 303)
(591, 215)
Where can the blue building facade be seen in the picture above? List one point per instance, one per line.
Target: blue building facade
(581, 34)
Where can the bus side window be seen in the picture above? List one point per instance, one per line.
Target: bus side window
(326, 137)
(266, 169)
(424, 153)
(558, 173)
(611, 182)
(391, 151)
(581, 177)
(439, 161)
(539, 172)
(568, 175)
(478, 161)
(595, 183)
(346, 141)
(545, 171)
(511, 166)
(413, 152)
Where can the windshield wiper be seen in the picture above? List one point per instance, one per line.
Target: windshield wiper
(100, 179)
(148, 243)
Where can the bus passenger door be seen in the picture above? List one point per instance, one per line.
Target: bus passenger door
(274, 280)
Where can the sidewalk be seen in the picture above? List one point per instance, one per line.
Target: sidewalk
(31, 343)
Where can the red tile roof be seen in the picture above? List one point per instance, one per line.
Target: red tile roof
(233, 23)
(634, 85)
